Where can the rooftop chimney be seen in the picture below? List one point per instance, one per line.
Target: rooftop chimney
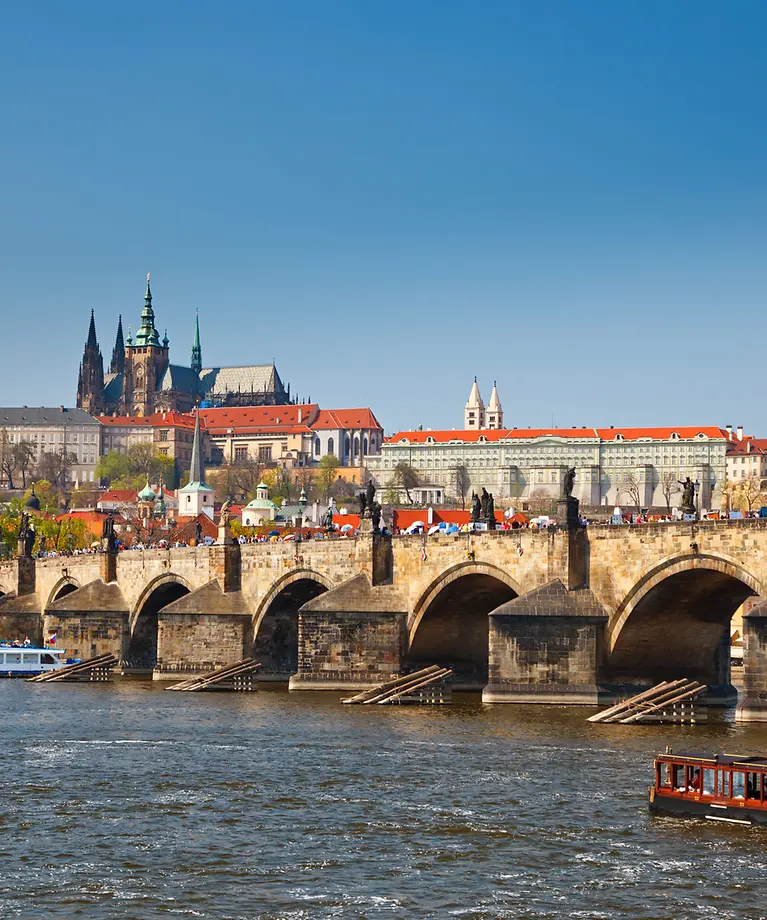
(740, 432)
(728, 429)
(299, 415)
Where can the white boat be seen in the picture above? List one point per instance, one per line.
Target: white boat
(26, 661)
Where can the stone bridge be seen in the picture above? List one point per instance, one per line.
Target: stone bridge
(566, 615)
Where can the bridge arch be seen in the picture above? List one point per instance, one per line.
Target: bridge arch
(449, 624)
(675, 621)
(65, 585)
(142, 639)
(275, 622)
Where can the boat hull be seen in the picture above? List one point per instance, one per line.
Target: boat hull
(670, 807)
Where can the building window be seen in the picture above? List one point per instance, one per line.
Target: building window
(331, 445)
(356, 446)
(265, 453)
(162, 434)
(365, 446)
(241, 453)
(316, 447)
(164, 451)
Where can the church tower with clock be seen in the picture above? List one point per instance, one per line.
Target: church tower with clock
(146, 360)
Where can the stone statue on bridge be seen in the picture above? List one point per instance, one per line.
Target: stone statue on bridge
(328, 519)
(487, 509)
(362, 498)
(197, 533)
(27, 536)
(688, 495)
(225, 513)
(375, 514)
(108, 538)
(476, 508)
(370, 496)
(567, 485)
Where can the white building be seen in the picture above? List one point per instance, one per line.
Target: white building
(53, 431)
(614, 466)
(196, 497)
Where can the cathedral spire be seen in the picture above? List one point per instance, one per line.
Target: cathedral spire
(117, 365)
(196, 349)
(474, 410)
(92, 343)
(90, 383)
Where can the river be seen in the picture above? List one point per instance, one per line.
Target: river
(124, 801)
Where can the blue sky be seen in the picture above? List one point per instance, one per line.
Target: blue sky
(388, 198)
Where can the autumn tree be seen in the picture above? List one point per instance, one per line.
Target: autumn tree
(55, 466)
(130, 470)
(461, 482)
(327, 476)
(24, 458)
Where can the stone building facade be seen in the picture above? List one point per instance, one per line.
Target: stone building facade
(614, 466)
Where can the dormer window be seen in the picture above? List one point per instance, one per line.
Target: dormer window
(430, 440)
(674, 435)
(619, 437)
(482, 439)
(404, 441)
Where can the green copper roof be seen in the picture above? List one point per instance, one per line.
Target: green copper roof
(147, 334)
(147, 494)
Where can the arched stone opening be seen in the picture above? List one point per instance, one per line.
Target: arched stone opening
(142, 643)
(275, 638)
(63, 587)
(451, 626)
(676, 623)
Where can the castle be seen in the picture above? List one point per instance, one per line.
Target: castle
(141, 380)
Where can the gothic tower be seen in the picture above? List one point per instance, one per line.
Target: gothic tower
(90, 384)
(196, 364)
(474, 410)
(146, 360)
(117, 365)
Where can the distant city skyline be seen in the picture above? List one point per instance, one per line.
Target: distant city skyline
(389, 200)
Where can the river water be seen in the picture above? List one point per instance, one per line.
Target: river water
(122, 800)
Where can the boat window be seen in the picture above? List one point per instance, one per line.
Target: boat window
(708, 782)
(679, 780)
(47, 659)
(752, 786)
(13, 657)
(724, 784)
(764, 787)
(665, 775)
(738, 784)
(30, 659)
(693, 779)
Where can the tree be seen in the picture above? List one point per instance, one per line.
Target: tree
(326, 480)
(541, 502)
(55, 466)
(461, 482)
(632, 489)
(669, 486)
(23, 456)
(7, 459)
(406, 478)
(131, 470)
(746, 493)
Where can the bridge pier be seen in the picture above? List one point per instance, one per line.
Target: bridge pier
(350, 637)
(546, 647)
(753, 704)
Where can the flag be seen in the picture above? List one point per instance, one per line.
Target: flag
(51, 640)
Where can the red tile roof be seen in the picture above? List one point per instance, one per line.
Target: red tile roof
(404, 517)
(158, 420)
(279, 418)
(118, 495)
(747, 446)
(329, 419)
(604, 434)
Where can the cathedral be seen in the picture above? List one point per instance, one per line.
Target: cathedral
(141, 380)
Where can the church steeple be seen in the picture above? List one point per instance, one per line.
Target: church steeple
(147, 334)
(117, 365)
(196, 349)
(474, 410)
(494, 410)
(90, 383)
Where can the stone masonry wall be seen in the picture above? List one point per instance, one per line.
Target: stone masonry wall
(348, 650)
(85, 635)
(197, 642)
